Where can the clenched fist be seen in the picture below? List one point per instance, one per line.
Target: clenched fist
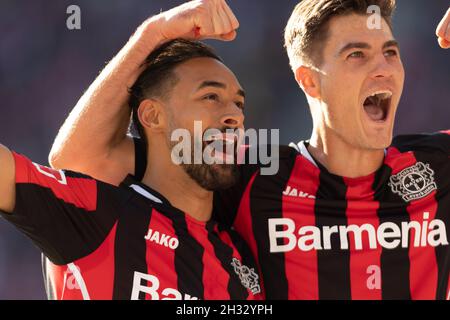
(197, 20)
(443, 31)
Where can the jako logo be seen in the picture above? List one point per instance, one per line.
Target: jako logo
(388, 235)
(162, 239)
(293, 192)
(152, 288)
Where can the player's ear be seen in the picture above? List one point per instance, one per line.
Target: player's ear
(152, 116)
(308, 80)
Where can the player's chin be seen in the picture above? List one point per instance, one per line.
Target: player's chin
(213, 177)
(377, 135)
(378, 140)
(224, 175)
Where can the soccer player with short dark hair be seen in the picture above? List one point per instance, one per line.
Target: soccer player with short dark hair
(153, 239)
(352, 213)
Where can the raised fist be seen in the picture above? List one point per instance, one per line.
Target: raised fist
(198, 20)
(443, 31)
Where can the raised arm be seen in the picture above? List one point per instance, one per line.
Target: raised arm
(94, 140)
(7, 180)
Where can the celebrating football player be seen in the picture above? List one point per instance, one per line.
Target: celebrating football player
(150, 239)
(352, 213)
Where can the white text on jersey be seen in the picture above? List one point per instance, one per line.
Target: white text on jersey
(152, 289)
(162, 239)
(388, 235)
(293, 192)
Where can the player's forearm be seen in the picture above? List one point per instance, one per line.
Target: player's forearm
(7, 180)
(100, 120)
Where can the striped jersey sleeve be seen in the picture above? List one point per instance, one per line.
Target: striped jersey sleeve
(62, 212)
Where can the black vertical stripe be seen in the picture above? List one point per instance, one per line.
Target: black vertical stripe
(441, 167)
(333, 266)
(245, 252)
(395, 264)
(188, 258)
(131, 230)
(266, 196)
(225, 254)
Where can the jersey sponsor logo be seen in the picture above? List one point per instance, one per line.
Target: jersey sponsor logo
(162, 239)
(414, 183)
(388, 235)
(54, 174)
(152, 288)
(249, 278)
(293, 192)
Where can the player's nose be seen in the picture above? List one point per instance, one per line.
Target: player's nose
(382, 68)
(234, 118)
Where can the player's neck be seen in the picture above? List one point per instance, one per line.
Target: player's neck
(342, 159)
(176, 186)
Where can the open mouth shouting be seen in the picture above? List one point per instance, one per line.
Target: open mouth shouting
(377, 105)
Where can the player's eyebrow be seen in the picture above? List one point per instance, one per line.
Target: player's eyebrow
(219, 85)
(391, 43)
(365, 45)
(354, 45)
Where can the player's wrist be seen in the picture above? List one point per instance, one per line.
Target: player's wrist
(148, 36)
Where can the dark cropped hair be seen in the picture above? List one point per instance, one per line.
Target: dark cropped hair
(158, 78)
(307, 31)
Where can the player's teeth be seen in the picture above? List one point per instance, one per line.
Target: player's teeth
(382, 94)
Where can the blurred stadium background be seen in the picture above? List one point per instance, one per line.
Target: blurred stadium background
(44, 69)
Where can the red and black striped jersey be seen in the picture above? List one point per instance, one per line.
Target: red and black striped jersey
(128, 242)
(316, 235)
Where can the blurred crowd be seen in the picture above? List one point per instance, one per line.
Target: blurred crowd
(45, 68)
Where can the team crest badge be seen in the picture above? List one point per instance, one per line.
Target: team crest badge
(414, 183)
(249, 278)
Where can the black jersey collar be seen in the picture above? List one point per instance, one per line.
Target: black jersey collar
(160, 202)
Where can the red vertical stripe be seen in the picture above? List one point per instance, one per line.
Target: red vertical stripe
(243, 223)
(424, 269)
(398, 161)
(227, 240)
(365, 272)
(301, 266)
(214, 276)
(161, 259)
(423, 264)
(448, 289)
(97, 269)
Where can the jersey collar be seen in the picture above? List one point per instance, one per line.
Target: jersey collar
(303, 150)
(144, 190)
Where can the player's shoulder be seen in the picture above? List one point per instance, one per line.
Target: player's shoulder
(438, 142)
